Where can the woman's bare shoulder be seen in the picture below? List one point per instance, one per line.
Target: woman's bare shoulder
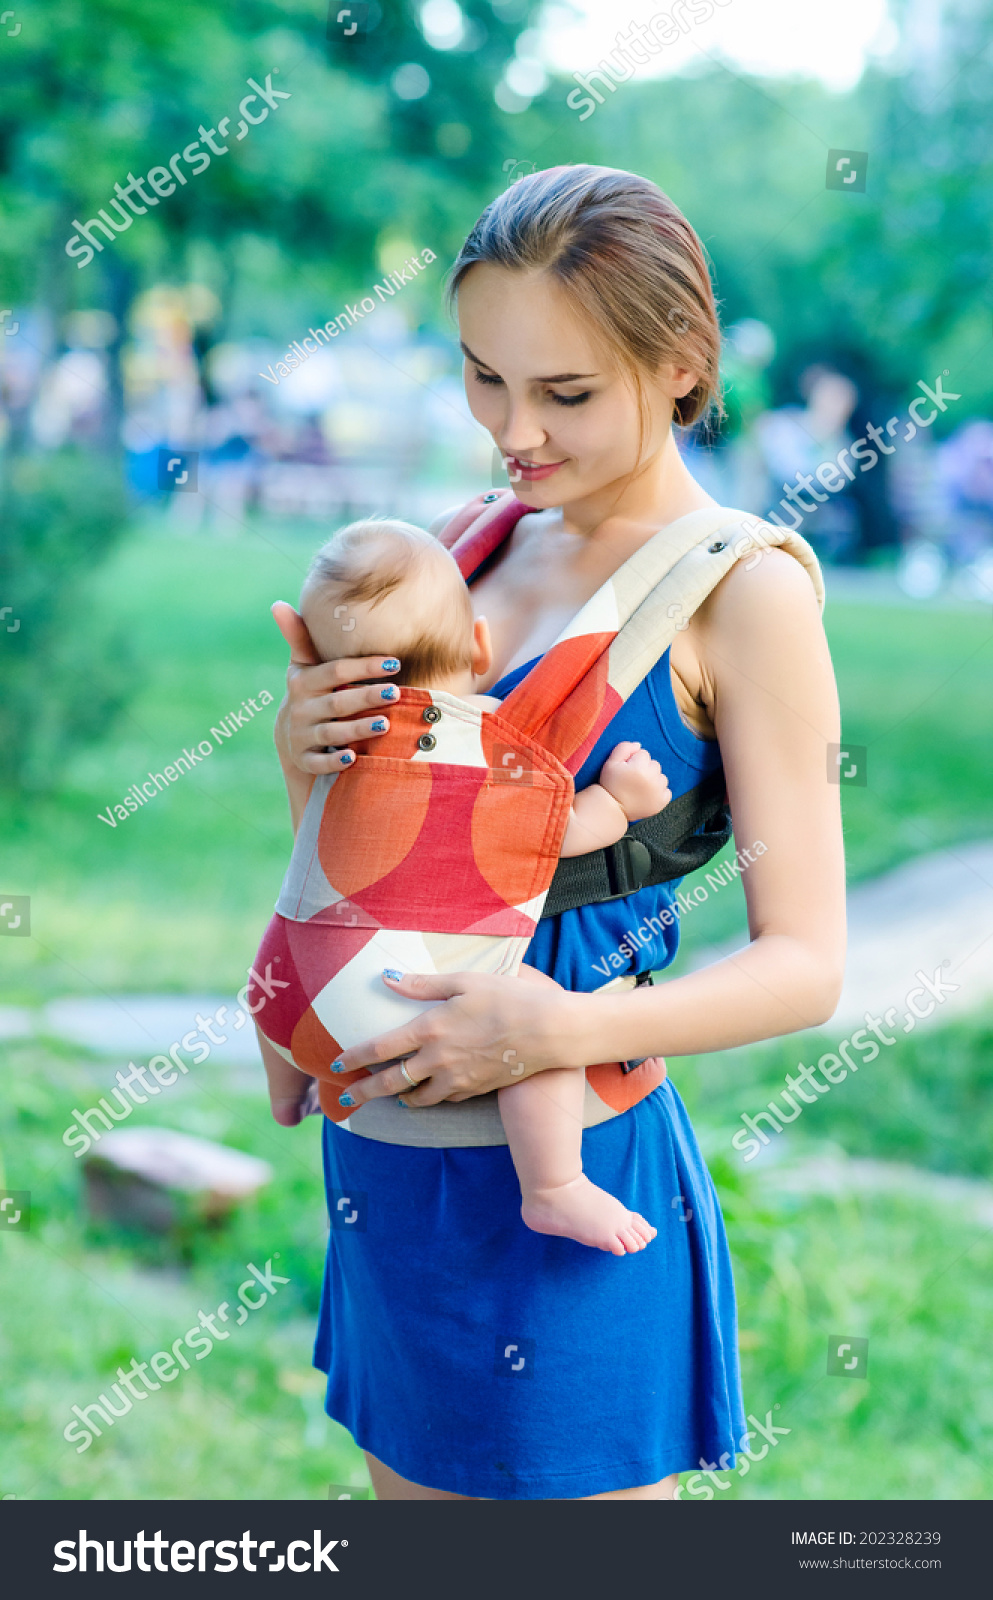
(772, 588)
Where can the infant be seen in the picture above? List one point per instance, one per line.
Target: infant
(386, 587)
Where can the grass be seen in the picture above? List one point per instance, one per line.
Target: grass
(927, 1100)
(174, 899)
(81, 1300)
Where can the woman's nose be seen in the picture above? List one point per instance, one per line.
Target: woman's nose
(521, 432)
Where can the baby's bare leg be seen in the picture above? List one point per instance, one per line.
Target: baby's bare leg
(543, 1120)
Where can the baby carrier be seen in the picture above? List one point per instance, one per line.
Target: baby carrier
(438, 850)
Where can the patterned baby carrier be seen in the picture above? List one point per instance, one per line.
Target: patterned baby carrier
(435, 852)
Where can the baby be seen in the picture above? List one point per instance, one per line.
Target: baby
(388, 587)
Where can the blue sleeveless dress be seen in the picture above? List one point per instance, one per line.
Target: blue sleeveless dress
(470, 1354)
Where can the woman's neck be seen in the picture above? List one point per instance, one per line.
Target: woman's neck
(662, 491)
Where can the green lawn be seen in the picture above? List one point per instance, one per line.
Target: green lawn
(174, 899)
(81, 1300)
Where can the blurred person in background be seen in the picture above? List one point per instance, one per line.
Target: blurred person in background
(945, 501)
(796, 440)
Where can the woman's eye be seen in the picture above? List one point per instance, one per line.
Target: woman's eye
(571, 399)
(487, 377)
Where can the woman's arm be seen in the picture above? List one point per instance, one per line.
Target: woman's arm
(766, 680)
(768, 685)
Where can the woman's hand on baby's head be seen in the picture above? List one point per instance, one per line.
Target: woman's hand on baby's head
(635, 780)
(322, 715)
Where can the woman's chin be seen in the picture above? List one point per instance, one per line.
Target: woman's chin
(546, 492)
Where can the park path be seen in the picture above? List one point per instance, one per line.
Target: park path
(933, 914)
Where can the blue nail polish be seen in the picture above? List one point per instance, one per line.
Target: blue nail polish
(336, 1066)
(380, 725)
(389, 693)
(391, 664)
(402, 1103)
(391, 972)
(345, 1100)
(347, 758)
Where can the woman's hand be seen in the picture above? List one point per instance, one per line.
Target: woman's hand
(320, 709)
(492, 1031)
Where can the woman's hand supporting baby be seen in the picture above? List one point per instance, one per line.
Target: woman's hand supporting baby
(322, 715)
(494, 1031)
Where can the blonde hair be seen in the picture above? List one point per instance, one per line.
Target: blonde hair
(368, 560)
(628, 260)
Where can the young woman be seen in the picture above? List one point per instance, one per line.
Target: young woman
(469, 1357)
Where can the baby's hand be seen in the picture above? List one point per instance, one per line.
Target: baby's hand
(636, 782)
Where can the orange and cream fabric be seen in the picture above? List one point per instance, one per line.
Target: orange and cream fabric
(435, 851)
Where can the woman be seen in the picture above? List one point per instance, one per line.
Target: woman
(588, 326)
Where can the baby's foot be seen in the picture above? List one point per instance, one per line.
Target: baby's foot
(635, 780)
(579, 1210)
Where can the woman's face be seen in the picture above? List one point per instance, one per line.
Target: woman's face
(564, 415)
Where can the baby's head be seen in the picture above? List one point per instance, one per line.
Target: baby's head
(384, 587)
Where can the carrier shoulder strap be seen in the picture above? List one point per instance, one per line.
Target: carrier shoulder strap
(570, 696)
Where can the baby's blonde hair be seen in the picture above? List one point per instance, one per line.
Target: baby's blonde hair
(367, 561)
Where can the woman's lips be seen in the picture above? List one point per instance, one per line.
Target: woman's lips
(529, 471)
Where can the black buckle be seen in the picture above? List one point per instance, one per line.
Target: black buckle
(639, 983)
(629, 865)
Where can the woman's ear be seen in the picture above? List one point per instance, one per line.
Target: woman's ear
(482, 648)
(678, 381)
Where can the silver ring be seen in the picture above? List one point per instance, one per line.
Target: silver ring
(405, 1075)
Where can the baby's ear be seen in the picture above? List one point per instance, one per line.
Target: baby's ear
(482, 648)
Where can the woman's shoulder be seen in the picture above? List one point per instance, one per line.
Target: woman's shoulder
(761, 619)
(756, 589)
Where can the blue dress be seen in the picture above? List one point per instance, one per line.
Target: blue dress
(470, 1354)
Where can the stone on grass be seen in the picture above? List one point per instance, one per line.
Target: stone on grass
(156, 1178)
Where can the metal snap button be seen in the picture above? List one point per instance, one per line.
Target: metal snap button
(427, 741)
(488, 497)
(431, 714)
(715, 548)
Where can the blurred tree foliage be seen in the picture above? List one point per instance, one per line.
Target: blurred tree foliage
(898, 281)
(105, 88)
(387, 144)
(293, 215)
